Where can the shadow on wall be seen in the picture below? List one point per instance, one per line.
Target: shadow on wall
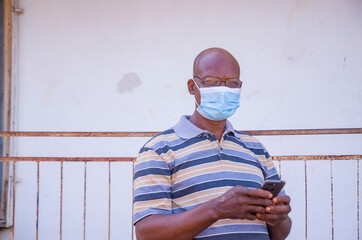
(128, 82)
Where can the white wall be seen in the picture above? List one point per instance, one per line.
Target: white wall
(123, 66)
(300, 62)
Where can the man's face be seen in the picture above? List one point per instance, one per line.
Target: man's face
(217, 64)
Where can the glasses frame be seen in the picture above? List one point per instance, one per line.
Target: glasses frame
(220, 80)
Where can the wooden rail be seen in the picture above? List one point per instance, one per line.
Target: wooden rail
(151, 134)
(61, 160)
(132, 159)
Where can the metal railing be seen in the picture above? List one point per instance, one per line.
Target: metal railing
(110, 160)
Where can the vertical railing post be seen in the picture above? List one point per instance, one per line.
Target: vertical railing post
(332, 205)
(109, 200)
(37, 200)
(13, 203)
(306, 198)
(61, 201)
(358, 199)
(132, 198)
(85, 198)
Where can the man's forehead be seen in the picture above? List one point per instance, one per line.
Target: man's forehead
(214, 54)
(215, 60)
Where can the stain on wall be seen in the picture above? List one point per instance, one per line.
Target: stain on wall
(128, 82)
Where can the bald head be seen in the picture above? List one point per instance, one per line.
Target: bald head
(216, 62)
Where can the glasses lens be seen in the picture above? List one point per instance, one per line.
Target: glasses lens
(211, 82)
(233, 83)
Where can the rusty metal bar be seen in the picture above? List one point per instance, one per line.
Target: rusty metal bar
(7, 19)
(132, 159)
(151, 134)
(132, 200)
(306, 198)
(317, 157)
(13, 203)
(109, 200)
(280, 169)
(68, 159)
(37, 200)
(358, 200)
(85, 198)
(8, 56)
(304, 131)
(61, 201)
(78, 134)
(332, 204)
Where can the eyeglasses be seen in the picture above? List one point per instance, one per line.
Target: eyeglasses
(214, 82)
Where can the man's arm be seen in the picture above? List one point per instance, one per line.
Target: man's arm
(185, 225)
(280, 231)
(237, 203)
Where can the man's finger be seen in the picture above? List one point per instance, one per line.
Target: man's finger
(256, 209)
(285, 208)
(249, 216)
(275, 217)
(255, 192)
(281, 199)
(271, 217)
(259, 201)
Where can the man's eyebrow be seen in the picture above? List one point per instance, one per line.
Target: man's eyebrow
(227, 77)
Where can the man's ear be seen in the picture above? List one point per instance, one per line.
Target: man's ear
(191, 86)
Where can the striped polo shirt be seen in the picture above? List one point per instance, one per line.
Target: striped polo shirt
(185, 166)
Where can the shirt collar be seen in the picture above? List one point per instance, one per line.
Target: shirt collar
(229, 129)
(186, 129)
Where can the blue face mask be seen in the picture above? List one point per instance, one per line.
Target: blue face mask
(218, 103)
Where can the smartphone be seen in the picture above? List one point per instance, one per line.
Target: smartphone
(273, 186)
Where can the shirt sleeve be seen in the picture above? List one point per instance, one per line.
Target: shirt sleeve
(271, 171)
(151, 186)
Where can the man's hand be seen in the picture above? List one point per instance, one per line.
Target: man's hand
(276, 217)
(278, 212)
(242, 203)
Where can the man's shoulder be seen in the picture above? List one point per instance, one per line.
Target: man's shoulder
(246, 137)
(251, 142)
(163, 138)
(171, 135)
(241, 136)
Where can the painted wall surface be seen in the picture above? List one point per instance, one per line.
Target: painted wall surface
(123, 65)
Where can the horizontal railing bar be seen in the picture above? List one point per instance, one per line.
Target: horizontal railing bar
(68, 159)
(78, 134)
(151, 134)
(304, 131)
(132, 159)
(317, 157)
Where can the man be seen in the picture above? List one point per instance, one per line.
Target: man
(201, 179)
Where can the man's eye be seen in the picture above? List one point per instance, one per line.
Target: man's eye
(233, 83)
(211, 82)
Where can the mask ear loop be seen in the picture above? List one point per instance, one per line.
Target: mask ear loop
(198, 105)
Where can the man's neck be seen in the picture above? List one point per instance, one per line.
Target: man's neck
(215, 127)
